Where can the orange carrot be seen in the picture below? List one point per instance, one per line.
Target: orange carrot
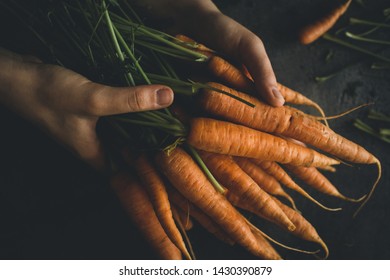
(155, 187)
(242, 80)
(231, 139)
(264, 180)
(283, 121)
(230, 74)
(273, 169)
(185, 175)
(315, 179)
(303, 229)
(241, 185)
(272, 253)
(205, 221)
(294, 97)
(313, 31)
(192, 44)
(184, 217)
(136, 202)
(328, 168)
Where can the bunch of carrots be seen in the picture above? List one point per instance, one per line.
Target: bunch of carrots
(233, 156)
(218, 153)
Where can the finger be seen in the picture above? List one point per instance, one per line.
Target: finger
(229, 37)
(253, 55)
(104, 100)
(31, 59)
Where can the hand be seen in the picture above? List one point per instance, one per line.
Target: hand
(67, 105)
(202, 20)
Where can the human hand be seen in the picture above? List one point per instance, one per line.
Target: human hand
(67, 105)
(204, 22)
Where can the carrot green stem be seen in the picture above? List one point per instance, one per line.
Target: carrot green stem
(118, 50)
(369, 130)
(131, 55)
(380, 66)
(339, 41)
(384, 132)
(366, 22)
(161, 37)
(321, 79)
(206, 171)
(378, 116)
(174, 130)
(195, 54)
(364, 39)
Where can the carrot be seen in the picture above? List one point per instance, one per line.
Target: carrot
(275, 170)
(231, 139)
(265, 181)
(272, 253)
(192, 44)
(155, 187)
(313, 31)
(183, 231)
(242, 81)
(318, 181)
(230, 74)
(136, 202)
(185, 175)
(241, 185)
(205, 221)
(328, 168)
(294, 97)
(184, 217)
(283, 121)
(303, 229)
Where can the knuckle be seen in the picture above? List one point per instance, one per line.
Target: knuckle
(252, 42)
(140, 99)
(134, 100)
(93, 103)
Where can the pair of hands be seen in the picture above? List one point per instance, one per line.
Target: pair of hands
(68, 106)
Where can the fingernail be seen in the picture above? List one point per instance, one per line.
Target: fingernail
(277, 94)
(164, 96)
(278, 97)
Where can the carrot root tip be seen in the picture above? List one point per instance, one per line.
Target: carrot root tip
(367, 198)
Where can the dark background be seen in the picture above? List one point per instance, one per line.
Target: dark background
(52, 206)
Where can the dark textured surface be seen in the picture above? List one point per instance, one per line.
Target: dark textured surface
(52, 206)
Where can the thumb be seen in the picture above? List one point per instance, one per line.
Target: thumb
(105, 100)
